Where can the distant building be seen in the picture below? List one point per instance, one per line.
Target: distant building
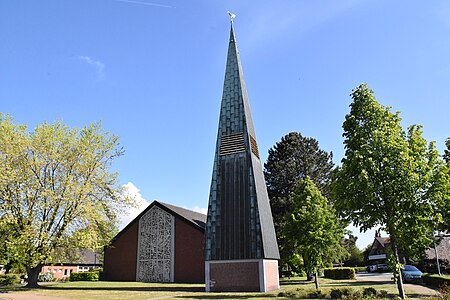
(86, 260)
(163, 244)
(442, 249)
(377, 259)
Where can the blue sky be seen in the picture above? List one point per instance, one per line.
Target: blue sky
(152, 73)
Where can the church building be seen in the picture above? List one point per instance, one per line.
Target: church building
(163, 244)
(234, 247)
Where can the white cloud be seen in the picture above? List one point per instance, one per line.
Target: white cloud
(97, 64)
(132, 191)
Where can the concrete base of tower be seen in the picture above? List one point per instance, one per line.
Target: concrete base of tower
(249, 275)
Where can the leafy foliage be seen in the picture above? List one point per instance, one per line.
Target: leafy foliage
(447, 151)
(84, 276)
(9, 279)
(355, 256)
(339, 273)
(56, 190)
(293, 159)
(313, 227)
(389, 177)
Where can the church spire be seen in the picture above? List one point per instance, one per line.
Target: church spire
(239, 224)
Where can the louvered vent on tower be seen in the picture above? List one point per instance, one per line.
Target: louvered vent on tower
(254, 146)
(232, 143)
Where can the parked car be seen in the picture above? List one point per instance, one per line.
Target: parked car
(382, 268)
(371, 268)
(411, 273)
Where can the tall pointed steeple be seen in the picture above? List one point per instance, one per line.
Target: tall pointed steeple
(240, 237)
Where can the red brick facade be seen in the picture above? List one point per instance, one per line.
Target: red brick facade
(259, 275)
(61, 272)
(234, 276)
(189, 264)
(120, 257)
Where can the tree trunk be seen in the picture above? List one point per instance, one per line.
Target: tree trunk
(8, 268)
(33, 274)
(316, 279)
(398, 276)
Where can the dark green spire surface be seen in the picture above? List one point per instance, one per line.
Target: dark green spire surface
(239, 222)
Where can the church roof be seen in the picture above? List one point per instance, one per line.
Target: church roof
(195, 219)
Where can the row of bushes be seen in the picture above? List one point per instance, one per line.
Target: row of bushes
(339, 273)
(86, 276)
(336, 293)
(436, 280)
(9, 279)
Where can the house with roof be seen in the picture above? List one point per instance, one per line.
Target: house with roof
(162, 244)
(377, 259)
(84, 260)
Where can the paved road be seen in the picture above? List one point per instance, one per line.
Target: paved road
(418, 289)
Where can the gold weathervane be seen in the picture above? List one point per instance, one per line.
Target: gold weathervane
(232, 16)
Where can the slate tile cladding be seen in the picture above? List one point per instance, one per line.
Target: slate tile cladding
(239, 223)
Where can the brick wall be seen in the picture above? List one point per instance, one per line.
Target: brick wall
(189, 265)
(120, 257)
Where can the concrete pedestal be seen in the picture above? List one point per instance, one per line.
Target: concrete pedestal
(251, 275)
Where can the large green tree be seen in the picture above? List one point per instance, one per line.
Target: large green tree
(314, 228)
(293, 159)
(389, 177)
(56, 190)
(447, 151)
(355, 255)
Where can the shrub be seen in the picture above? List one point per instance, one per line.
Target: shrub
(382, 293)
(339, 273)
(101, 274)
(345, 293)
(46, 277)
(339, 293)
(369, 292)
(316, 294)
(84, 276)
(435, 280)
(282, 294)
(300, 293)
(9, 279)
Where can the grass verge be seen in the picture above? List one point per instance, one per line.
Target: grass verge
(106, 290)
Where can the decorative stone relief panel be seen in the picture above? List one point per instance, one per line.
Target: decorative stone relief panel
(155, 246)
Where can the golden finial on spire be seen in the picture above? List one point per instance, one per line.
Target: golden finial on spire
(232, 16)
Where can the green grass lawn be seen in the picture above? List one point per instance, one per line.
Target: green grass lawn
(106, 290)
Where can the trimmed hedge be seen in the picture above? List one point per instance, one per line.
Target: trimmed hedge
(46, 277)
(339, 273)
(84, 276)
(435, 280)
(9, 279)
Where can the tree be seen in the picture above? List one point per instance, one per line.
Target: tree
(314, 228)
(293, 159)
(447, 151)
(388, 177)
(56, 190)
(355, 255)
